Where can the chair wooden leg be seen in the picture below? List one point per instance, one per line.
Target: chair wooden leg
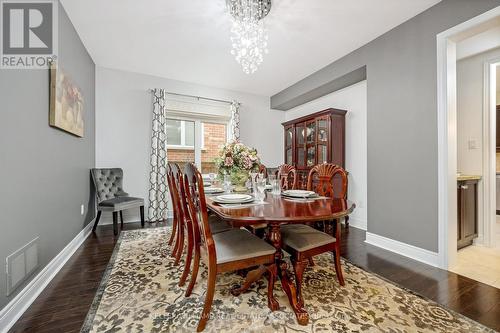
(115, 223)
(299, 266)
(174, 229)
(272, 302)
(180, 246)
(141, 209)
(194, 273)
(121, 218)
(176, 245)
(251, 277)
(209, 296)
(98, 217)
(311, 261)
(189, 256)
(338, 267)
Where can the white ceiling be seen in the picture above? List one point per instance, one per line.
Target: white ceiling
(189, 40)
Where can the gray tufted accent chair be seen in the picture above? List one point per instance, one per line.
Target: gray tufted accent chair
(111, 197)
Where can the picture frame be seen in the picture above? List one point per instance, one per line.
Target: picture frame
(66, 103)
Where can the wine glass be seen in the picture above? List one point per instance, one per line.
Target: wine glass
(275, 188)
(227, 183)
(260, 176)
(261, 188)
(253, 177)
(212, 177)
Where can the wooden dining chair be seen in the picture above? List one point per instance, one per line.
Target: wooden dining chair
(232, 250)
(175, 218)
(287, 175)
(303, 241)
(184, 224)
(322, 178)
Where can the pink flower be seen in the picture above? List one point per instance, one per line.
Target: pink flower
(228, 161)
(247, 163)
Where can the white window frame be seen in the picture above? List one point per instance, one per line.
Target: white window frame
(199, 134)
(183, 135)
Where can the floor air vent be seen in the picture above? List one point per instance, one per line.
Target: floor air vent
(21, 264)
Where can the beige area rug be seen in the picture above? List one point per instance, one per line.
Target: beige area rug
(139, 293)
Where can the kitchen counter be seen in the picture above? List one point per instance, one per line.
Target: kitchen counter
(461, 177)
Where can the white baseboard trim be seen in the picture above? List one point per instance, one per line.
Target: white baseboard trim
(357, 223)
(20, 303)
(407, 250)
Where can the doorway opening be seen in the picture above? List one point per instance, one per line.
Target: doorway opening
(478, 172)
(467, 65)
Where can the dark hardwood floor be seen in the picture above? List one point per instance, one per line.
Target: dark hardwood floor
(63, 305)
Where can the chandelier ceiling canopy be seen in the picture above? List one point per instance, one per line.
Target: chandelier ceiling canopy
(248, 35)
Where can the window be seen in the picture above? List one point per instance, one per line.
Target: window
(180, 133)
(214, 136)
(184, 145)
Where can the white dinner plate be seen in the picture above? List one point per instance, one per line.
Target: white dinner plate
(213, 190)
(233, 198)
(299, 193)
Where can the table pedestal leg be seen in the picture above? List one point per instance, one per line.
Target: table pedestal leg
(286, 283)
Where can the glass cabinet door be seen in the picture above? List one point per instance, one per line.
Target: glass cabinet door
(289, 136)
(311, 132)
(323, 132)
(289, 158)
(311, 156)
(322, 135)
(322, 154)
(300, 133)
(300, 157)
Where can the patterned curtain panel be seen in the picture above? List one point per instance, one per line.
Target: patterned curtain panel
(158, 196)
(235, 121)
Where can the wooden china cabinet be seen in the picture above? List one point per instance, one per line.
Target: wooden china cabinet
(314, 139)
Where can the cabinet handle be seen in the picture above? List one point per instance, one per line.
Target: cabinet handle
(464, 187)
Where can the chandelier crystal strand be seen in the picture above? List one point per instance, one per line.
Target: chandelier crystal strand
(249, 37)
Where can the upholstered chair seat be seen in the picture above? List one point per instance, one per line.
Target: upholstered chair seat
(239, 244)
(302, 237)
(120, 203)
(111, 197)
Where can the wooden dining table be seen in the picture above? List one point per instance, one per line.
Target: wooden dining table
(276, 211)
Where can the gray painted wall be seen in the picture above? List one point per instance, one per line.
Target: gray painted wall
(402, 119)
(44, 172)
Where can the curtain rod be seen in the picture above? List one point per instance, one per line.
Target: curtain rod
(198, 97)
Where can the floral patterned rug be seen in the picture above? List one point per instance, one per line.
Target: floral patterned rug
(139, 293)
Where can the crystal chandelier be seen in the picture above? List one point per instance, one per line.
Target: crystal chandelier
(249, 36)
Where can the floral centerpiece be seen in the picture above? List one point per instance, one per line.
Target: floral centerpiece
(237, 160)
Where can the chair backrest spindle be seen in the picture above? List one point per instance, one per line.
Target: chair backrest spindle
(197, 207)
(321, 180)
(287, 175)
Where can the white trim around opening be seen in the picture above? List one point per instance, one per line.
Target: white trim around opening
(447, 133)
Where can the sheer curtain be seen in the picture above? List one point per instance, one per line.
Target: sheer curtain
(158, 190)
(235, 121)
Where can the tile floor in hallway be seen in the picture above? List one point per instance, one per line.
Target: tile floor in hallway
(480, 263)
